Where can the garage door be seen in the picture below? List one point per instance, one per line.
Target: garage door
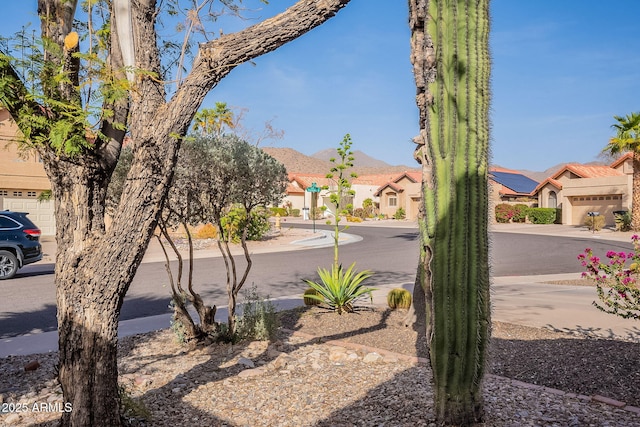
(41, 213)
(606, 205)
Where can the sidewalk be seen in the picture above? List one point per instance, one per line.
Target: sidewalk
(504, 309)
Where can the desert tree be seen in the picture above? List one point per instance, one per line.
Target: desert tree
(627, 138)
(247, 176)
(119, 68)
(450, 56)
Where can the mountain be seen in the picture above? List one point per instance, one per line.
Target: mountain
(296, 162)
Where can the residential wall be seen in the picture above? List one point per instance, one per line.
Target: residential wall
(23, 178)
(611, 193)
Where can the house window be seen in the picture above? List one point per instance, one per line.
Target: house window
(31, 194)
(4, 193)
(393, 201)
(17, 194)
(553, 200)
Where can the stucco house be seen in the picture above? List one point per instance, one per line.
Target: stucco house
(22, 178)
(364, 187)
(403, 191)
(577, 189)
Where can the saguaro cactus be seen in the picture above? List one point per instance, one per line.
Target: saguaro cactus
(451, 62)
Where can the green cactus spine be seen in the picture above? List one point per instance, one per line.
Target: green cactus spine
(451, 65)
(399, 298)
(311, 301)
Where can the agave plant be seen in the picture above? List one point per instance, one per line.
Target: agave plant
(340, 289)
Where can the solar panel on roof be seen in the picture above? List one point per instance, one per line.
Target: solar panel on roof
(516, 182)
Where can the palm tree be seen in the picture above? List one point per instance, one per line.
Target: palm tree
(212, 120)
(628, 139)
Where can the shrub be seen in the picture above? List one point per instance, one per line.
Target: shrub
(504, 212)
(340, 289)
(310, 301)
(207, 231)
(259, 319)
(295, 212)
(360, 213)
(275, 210)
(520, 212)
(133, 409)
(542, 215)
(616, 280)
(595, 223)
(399, 298)
(235, 221)
(623, 220)
(353, 219)
(400, 214)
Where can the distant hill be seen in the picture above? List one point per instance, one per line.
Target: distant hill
(296, 162)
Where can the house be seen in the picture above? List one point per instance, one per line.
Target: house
(364, 187)
(23, 178)
(577, 189)
(403, 191)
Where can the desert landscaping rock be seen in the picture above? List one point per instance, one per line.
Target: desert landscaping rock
(301, 381)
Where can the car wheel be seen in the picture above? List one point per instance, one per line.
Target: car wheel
(8, 265)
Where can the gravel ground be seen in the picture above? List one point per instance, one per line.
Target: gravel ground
(370, 377)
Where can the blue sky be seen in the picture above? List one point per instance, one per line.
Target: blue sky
(561, 70)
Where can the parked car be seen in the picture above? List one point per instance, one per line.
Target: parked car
(19, 243)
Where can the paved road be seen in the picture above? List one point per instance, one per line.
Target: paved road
(28, 303)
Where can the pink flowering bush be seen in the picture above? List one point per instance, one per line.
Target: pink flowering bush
(617, 283)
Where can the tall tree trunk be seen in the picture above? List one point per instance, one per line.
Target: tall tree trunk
(93, 271)
(451, 66)
(635, 193)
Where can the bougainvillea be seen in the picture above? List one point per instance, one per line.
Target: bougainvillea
(616, 280)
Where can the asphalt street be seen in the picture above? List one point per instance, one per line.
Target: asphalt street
(28, 303)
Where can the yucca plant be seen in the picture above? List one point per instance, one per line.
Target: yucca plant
(339, 289)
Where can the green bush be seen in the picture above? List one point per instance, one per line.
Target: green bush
(275, 210)
(504, 212)
(259, 319)
(295, 212)
(542, 215)
(234, 222)
(310, 301)
(340, 289)
(399, 298)
(594, 222)
(400, 213)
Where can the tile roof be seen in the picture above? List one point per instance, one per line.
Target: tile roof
(588, 171)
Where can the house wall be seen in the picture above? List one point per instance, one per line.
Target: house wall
(23, 178)
(363, 192)
(579, 196)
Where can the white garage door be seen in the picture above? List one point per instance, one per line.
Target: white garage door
(41, 213)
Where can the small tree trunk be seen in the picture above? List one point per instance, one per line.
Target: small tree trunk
(635, 203)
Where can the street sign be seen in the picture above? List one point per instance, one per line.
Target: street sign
(314, 188)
